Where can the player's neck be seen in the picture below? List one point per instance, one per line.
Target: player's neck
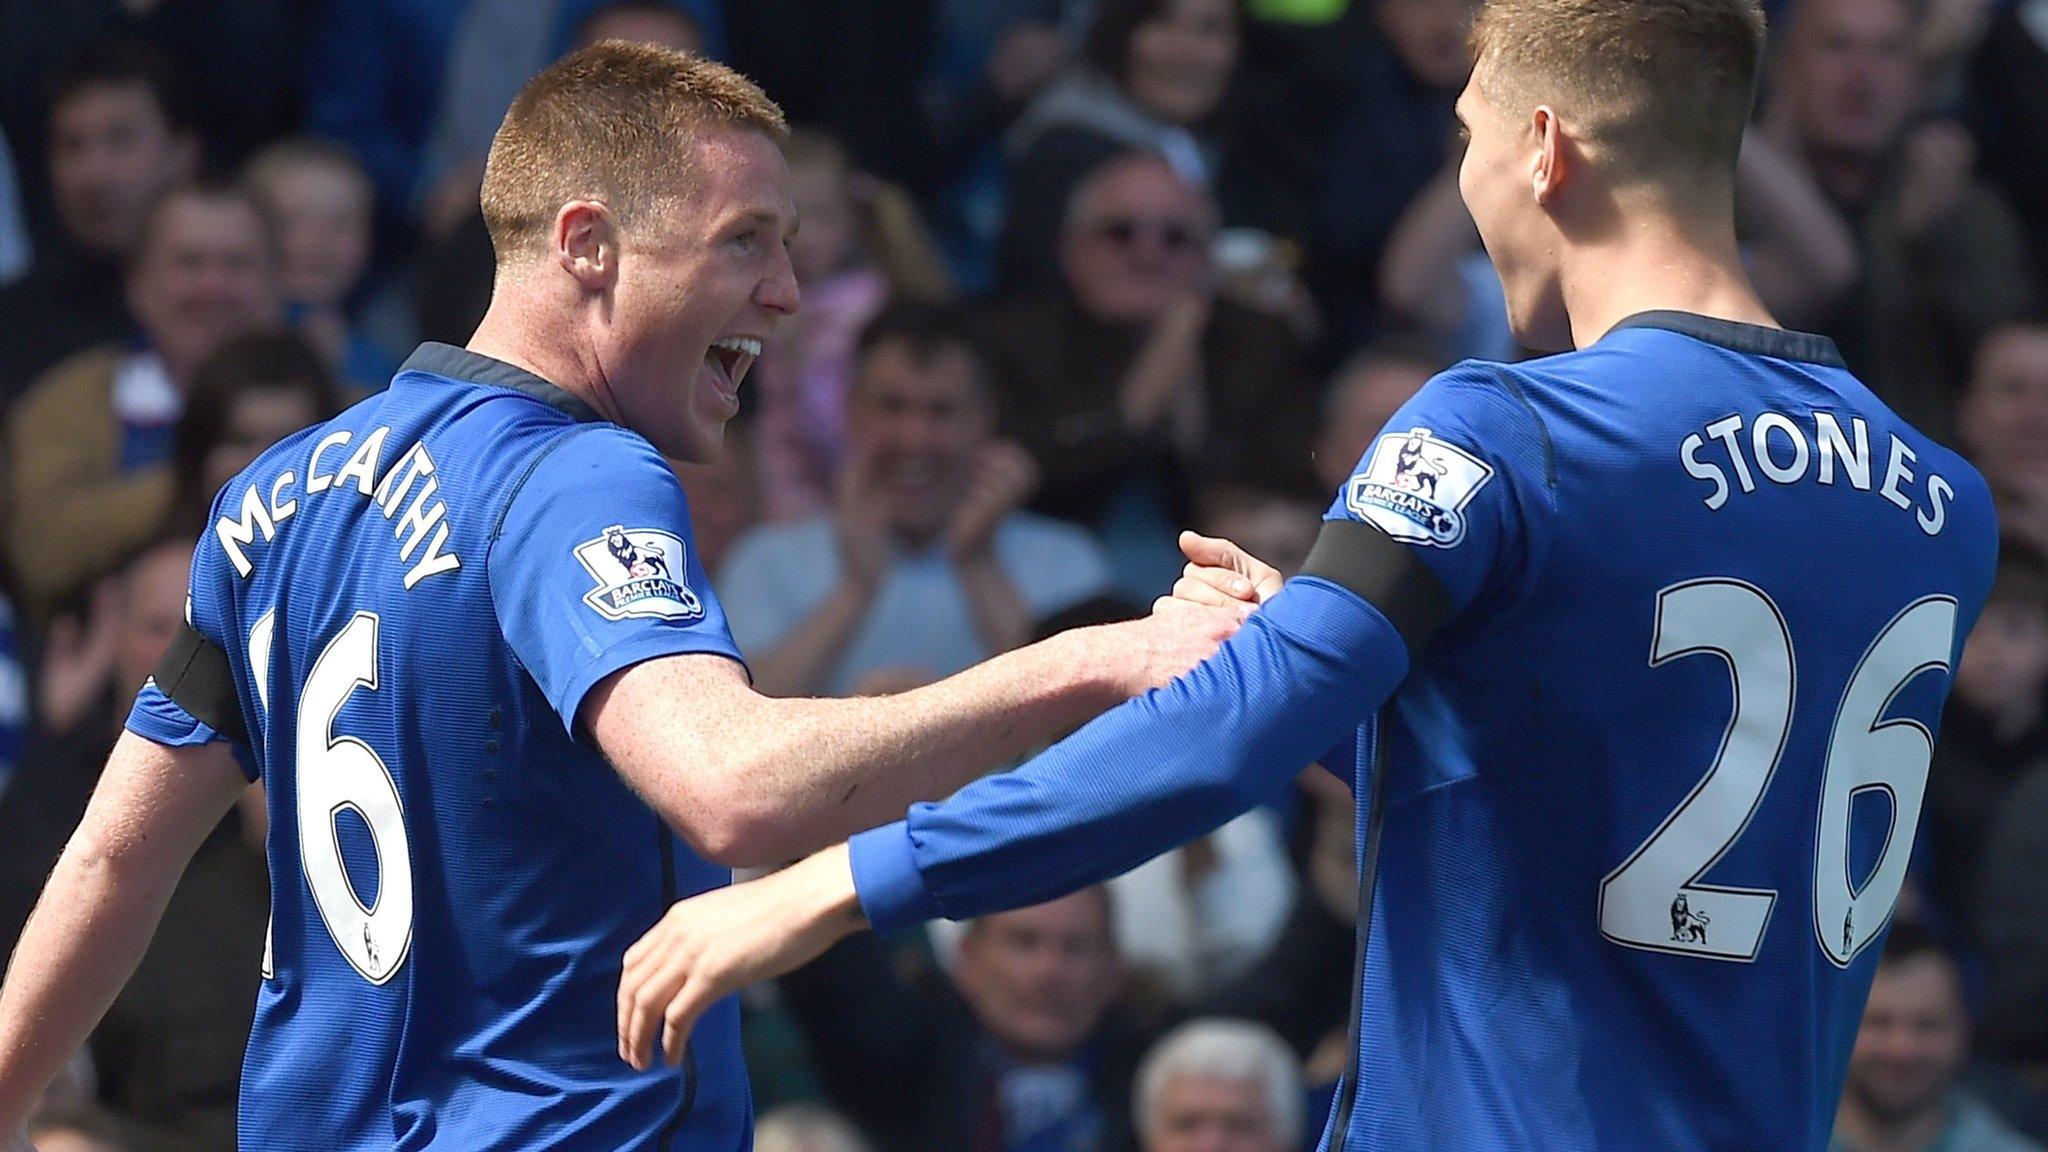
(504, 334)
(1868, 1133)
(1656, 266)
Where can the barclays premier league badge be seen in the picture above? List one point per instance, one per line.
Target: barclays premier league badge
(639, 572)
(1415, 488)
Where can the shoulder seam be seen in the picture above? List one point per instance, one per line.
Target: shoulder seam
(1514, 388)
(519, 485)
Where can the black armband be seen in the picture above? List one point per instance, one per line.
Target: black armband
(1385, 574)
(194, 673)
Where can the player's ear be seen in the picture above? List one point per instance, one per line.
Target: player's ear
(1550, 162)
(586, 243)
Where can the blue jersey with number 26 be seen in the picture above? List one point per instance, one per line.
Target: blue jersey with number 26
(1650, 799)
(415, 598)
(1647, 797)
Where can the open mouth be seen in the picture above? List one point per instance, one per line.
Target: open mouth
(729, 360)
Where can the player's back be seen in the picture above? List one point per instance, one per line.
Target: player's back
(455, 878)
(1649, 798)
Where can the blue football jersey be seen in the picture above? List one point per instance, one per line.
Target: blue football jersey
(1644, 802)
(414, 599)
(1649, 798)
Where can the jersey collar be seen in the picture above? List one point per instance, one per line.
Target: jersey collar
(1751, 339)
(452, 363)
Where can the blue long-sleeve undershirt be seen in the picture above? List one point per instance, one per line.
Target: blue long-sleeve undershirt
(1313, 664)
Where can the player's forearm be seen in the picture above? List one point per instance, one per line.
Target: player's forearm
(820, 770)
(1311, 665)
(800, 663)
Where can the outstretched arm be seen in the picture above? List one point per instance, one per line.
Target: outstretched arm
(750, 780)
(153, 809)
(1313, 663)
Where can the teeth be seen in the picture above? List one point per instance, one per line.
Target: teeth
(743, 344)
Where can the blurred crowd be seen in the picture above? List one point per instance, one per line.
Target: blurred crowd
(1075, 274)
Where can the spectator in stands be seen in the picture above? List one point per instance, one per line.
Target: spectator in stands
(1993, 731)
(319, 200)
(926, 560)
(1942, 256)
(1219, 1086)
(255, 391)
(989, 60)
(860, 245)
(117, 139)
(1132, 382)
(2011, 930)
(1025, 1051)
(2003, 424)
(89, 444)
(1360, 399)
(2007, 95)
(1380, 82)
(1151, 77)
(1902, 1094)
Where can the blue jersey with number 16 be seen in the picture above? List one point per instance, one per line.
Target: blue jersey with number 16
(414, 599)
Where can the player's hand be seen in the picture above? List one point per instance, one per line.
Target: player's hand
(1222, 575)
(1178, 635)
(1004, 477)
(710, 946)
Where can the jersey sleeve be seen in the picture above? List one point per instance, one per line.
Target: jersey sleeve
(592, 567)
(1148, 775)
(1461, 475)
(154, 715)
(158, 717)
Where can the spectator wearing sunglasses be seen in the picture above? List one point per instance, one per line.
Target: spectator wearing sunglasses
(1152, 74)
(1131, 382)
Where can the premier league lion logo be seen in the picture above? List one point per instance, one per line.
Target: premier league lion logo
(1688, 926)
(640, 562)
(639, 572)
(1414, 471)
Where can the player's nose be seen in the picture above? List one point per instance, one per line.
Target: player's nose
(778, 291)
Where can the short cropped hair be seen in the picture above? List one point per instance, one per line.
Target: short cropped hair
(1657, 86)
(611, 122)
(1234, 1051)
